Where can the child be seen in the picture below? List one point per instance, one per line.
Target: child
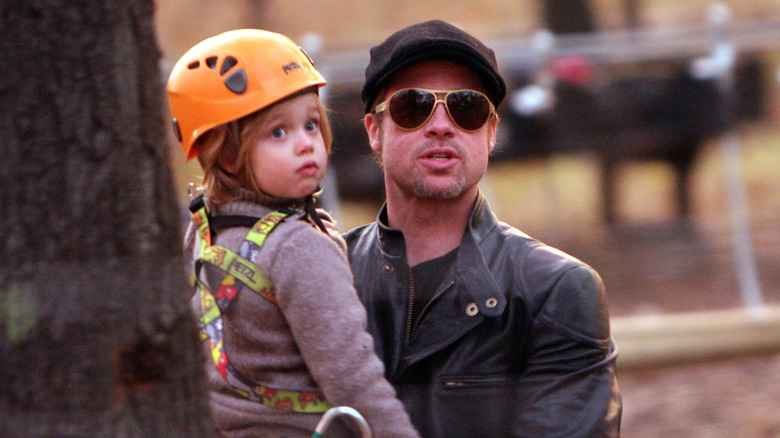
(283, 324)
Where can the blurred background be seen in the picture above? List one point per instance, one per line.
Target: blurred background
(641, 136)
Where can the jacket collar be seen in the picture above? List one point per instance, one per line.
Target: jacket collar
(482, 219)
(390, 239)
(473, 282)
(471, 268)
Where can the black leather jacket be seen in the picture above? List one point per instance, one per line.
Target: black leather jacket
(516, 341)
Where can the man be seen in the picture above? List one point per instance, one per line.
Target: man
(484, 331)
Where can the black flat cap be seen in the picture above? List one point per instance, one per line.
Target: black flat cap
(428, 41)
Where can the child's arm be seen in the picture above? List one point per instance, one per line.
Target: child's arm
(328, 322)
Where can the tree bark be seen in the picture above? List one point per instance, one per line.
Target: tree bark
(96, 338)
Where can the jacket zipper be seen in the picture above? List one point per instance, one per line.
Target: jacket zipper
(409, 310)
(482, 381)
(430, 302)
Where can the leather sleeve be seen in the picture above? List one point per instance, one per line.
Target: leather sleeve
(570, 388)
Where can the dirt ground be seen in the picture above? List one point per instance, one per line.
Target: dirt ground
(735, 397)
(673, 268)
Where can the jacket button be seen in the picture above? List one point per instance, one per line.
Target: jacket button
(491, 303)
(387, 267)
(472, 309)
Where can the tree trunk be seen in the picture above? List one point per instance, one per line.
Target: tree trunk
(96, 338)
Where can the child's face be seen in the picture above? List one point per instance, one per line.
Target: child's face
(289, 158)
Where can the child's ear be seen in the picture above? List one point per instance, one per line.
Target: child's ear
(227, 162)
(228, 153)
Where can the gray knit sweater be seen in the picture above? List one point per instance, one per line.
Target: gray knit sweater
(315, 338)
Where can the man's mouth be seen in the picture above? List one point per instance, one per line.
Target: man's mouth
(439, 156)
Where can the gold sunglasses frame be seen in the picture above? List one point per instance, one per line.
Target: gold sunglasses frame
(386, 105)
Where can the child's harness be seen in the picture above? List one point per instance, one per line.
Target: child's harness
(238, 269)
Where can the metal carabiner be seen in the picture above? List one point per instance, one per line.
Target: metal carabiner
(332, 413)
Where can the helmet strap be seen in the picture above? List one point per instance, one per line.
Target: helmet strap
(311, 211)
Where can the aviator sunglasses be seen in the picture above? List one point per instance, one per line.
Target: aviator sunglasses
(411, 108)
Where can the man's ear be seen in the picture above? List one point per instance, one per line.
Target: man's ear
(371, 123)
(492, 133)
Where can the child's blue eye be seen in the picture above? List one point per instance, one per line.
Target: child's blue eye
(311, 126)
(277, 132)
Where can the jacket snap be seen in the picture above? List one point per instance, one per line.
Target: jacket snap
(472, 309)
(491, 303)
(387, 267)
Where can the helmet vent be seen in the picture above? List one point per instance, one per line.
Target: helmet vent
(228, 64)
(193, 65)
(237, 81)
(212, 62)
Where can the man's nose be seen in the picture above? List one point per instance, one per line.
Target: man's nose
(440, 122)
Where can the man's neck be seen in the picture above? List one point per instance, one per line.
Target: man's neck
(431, 228)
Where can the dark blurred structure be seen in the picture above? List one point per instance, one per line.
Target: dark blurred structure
(663, 114)
(653, 109)
(358, 173)
(568, 16)
(617, 109)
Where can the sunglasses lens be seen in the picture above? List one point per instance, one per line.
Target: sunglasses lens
(411, 108)
(469, 109)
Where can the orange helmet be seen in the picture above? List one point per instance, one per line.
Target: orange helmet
(231, 75)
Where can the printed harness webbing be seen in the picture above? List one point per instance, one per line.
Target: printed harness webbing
(239, 270)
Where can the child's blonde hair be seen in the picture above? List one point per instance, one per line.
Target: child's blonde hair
(227, 175)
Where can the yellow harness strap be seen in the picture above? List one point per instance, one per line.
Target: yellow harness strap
(239, 271)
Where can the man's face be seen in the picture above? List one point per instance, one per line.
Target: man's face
(438, 160)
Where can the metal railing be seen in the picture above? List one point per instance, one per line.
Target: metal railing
(613, 46)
